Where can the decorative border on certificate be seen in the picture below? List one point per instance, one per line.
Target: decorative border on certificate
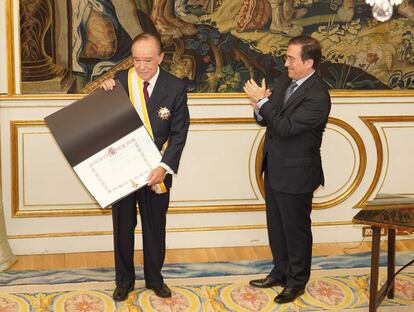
(120, 168)
(112, 158)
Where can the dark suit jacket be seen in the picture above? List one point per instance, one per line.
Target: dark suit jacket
(170, 92)
(294, 135)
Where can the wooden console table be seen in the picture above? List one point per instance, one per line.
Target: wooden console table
(392, 212)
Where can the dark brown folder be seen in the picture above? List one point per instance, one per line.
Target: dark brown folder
(92, 123)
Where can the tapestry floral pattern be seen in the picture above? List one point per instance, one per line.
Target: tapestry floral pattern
(216, 45)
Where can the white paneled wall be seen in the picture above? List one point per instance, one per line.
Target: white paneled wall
(216, 198)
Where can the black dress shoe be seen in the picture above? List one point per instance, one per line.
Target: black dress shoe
(289, 295)
(266, 282)
(162, 291)
(121, 293)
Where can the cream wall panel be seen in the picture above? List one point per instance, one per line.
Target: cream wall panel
(217, 191)
(354, 114)
(202, 239)
(223, 176)
(23, 228)
(220, 108)
(44, 173)
(336, 142)
(220, 157)
(61, 244)
(217, 219)
(216, 165)
(398, 158)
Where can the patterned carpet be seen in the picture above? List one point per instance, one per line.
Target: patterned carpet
(337, 283)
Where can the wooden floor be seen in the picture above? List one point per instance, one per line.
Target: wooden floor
(105, 259)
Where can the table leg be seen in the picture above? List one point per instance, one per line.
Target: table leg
(375, 252)
(391, 261)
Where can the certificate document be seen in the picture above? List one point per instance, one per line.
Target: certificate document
(120, 168)
(105, 142)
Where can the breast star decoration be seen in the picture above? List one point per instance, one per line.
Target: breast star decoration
(164, 113)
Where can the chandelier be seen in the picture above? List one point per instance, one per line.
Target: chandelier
(382, 9)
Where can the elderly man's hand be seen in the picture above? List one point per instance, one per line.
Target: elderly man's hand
(156, 176)
(108, 84)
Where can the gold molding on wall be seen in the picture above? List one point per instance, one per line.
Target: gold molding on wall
(25, 204)
(388, 153)
(218, 96)
(32, 213)
(370, 123)
(333, 93)
(82, 212)
(11, 83)
(37, 97)
(371, 93)
(258, 166)
(14, 149)
(14, 156)
(355, 183)
(361, 166)
(169, 230)
(341, 187)
(229, 120)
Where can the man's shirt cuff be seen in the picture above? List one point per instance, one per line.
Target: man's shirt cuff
(261, 102)
(259, 106)
(258, 117)
(166, 167)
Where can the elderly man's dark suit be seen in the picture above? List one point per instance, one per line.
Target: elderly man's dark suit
(169, 92)
(293, 171)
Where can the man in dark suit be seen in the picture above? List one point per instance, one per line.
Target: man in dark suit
(161, 101)
(295, 116)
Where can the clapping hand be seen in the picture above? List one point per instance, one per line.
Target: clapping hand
(256, 92)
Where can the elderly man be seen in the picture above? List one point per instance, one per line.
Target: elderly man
(161, 101)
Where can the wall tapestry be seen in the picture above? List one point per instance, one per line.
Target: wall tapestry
(70, 46)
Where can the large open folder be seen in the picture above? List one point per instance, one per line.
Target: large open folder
(106, 143)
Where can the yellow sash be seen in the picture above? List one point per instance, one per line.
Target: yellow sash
(136, 95)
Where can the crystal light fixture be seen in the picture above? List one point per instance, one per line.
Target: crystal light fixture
(382, 9)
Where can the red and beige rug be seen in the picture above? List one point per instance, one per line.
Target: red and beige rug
(336, 290)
